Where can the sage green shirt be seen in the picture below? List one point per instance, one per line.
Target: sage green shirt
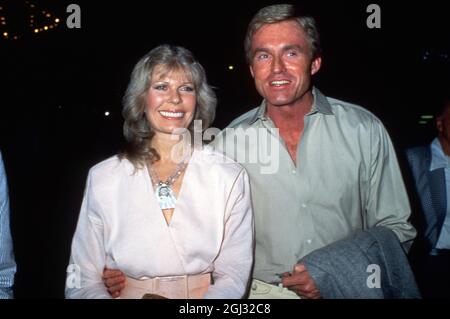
(346, 178)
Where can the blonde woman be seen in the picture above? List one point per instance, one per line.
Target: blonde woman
(175, 219)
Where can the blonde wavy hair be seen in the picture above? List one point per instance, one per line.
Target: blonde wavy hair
(136, 129)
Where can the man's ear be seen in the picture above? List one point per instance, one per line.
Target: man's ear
(315, 65)
(251, 71)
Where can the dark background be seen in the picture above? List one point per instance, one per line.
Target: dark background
(57, 85)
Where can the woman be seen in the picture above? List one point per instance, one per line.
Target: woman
(168, 224)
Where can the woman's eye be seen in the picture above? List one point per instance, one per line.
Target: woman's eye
(187, 89)
(160, 87)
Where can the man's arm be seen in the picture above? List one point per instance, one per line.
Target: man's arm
(387, 201)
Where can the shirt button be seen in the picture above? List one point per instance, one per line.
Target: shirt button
(309, 241)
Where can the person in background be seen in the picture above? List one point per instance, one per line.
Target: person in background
(430, 168)
(7, 262)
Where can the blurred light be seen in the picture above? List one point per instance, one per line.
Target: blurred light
(57, 20)
(45, 28)
(48, 15)
(5, 34)
(36, 30)
(107, 113)
(427, 117)
(423, 122)
(15, 37)
(230, 67)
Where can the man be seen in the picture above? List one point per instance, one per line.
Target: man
(430, 166)
(7, 264)
(336, 168)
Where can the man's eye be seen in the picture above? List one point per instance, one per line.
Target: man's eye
(292, 53)
(262, 56)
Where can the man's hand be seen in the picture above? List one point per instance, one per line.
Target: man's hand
(114, 280)
(301, 282)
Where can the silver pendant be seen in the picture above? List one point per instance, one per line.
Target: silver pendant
(166, 198)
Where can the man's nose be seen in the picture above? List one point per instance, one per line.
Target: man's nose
(278, 65)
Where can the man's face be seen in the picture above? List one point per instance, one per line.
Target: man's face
(443, 124)
(282, 63)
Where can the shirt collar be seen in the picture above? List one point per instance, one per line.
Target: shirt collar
(320, 105)
(260, 113)
(438, 157)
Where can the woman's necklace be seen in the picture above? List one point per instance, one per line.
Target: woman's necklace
(163, 191)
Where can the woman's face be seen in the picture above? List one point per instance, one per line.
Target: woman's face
(170, 100)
